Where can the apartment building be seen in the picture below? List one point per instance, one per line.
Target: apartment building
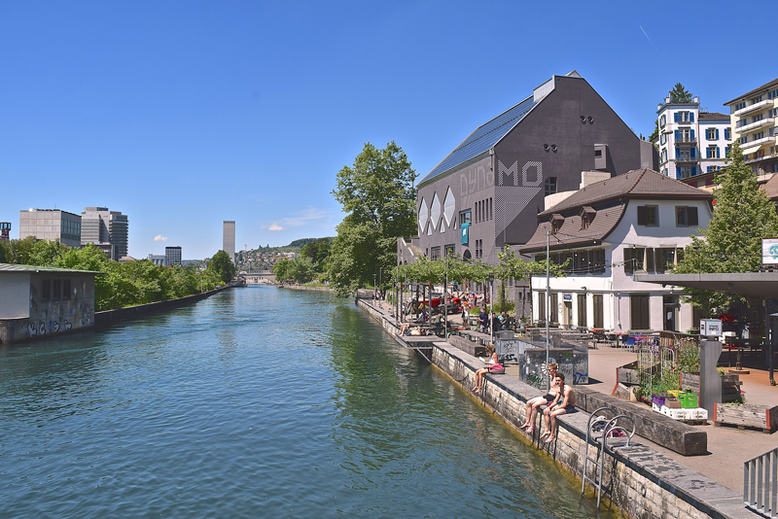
(106, 229)
(754, 119)
(692, 141)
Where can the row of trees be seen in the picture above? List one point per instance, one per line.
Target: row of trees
(121, 284)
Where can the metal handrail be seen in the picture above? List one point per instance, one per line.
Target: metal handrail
(760, 483)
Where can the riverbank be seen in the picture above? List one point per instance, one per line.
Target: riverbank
(643, 482)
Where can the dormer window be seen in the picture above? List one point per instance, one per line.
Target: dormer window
(556, 222)
(587, 215)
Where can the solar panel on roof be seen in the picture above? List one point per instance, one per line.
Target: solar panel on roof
(483, 138)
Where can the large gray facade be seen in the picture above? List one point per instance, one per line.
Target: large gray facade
(51, 224)
(489, 190)
(108, 230)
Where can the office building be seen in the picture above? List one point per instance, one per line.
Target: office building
(488, 191)
(157, 259)
(691, 141)
(228, 238)
(754, 119)
(5, 231)
(106, 229)
(172, 256)
(51, 224)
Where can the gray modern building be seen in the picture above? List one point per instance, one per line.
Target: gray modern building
(109, 230)
(489, 190)
(172, 256)
(228, 238)
(51, 224)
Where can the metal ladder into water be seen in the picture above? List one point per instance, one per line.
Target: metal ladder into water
(605, 432)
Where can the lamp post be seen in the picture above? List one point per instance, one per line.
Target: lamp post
(381, 282)
(374, 285)
(491, 307)
(548, 296)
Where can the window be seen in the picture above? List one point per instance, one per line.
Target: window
(758, 117)
(648, 215)
(772, 94)
(685, 216)
(479, 249)
(587, 215)
(633, 259)
(727, 151)
(464, 217)
(597, 261)
(662, 121)
(46, 290)
(728, 133)
(740, 106)
(743, 139)
(552, 308)
(758, 136)
(66, 290)
(550, 185)
(712, 152)
(684, 117)
(756, 100)
(639, 311)
(556, 222)
(56, 289)
(435, 253)
(712, 134)
(597, 307)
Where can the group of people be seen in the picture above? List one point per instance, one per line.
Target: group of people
(498, 321)
(559, 399)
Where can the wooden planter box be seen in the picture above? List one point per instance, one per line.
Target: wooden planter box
(756, 416)
(730, 385)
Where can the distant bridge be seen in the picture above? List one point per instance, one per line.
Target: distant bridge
(259, 277)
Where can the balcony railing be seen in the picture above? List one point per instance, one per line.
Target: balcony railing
(754, 107)
(769, 121)
(686, 139)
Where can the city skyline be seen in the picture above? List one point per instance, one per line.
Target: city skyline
(205, 113)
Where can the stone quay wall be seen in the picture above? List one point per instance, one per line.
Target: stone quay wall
(639, 481)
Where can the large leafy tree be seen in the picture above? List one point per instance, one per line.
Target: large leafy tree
(318, 252)
(377, 194)
(222, 265)
(679, 94)
(742, 216)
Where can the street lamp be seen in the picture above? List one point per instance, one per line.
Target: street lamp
(491, 308)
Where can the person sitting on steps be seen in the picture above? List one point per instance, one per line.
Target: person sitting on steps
(534, 404)
(564, 403)
(493, 364)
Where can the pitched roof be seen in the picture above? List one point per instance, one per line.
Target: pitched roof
(714, 115)
(483, 138)
(638, 183)
(766, 86)
(770, 188)
(7, 267)
(609, 199)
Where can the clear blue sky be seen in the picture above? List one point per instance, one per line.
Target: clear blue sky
(185, 114)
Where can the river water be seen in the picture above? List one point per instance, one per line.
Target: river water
(257, 402)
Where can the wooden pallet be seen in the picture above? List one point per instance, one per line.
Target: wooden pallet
(747, 416)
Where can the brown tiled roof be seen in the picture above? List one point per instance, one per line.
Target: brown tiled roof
(766, 86)
(713, 115)
(571, 234)
(638, 183)
(770, 188)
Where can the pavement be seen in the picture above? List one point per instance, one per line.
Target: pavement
(728, 447)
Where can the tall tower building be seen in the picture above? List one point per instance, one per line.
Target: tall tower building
(51, 224)
(228, 238)
(5, 230)
(172, 256)
(109, 230)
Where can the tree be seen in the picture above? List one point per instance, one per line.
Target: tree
(742, 216)
(221, 264)
(281, 270)
(512, 266)
(318, 252)
(679, 94)
(301, 269)
(378, 195)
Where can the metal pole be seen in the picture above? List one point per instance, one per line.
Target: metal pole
(491, 308)
(445, 299)
(548, 296)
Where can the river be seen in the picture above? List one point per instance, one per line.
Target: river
(257, 402)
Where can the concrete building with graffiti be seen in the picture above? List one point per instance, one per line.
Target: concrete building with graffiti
(42, 301)
(607, 232)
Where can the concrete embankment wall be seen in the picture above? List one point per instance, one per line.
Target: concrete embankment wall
(643, 482)
(131, 312)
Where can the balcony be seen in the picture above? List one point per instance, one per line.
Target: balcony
(686, 139)
(754, 107)
(748, 128)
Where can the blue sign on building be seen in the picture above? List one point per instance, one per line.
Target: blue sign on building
(466, 233)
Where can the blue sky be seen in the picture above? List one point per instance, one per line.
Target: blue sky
(185, 114)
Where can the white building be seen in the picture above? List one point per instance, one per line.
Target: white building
(755, 124)
(691, 141)
(51, 224)
(638, 222)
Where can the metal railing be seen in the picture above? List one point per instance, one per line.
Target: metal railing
(760, 483)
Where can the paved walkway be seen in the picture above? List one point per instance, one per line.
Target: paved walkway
(728, 447)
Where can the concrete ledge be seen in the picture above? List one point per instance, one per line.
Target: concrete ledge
(660, 429)
(467, 346)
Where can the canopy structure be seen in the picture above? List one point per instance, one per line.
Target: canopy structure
(758, 284)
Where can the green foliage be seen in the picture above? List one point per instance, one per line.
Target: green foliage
(301, 269)
(679, 94)
(281, 270)
(30, 251)
(318, 252)
(732, 243)
(378, 195)
(222, 266)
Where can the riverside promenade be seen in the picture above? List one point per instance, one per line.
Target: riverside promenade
(727, 448)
